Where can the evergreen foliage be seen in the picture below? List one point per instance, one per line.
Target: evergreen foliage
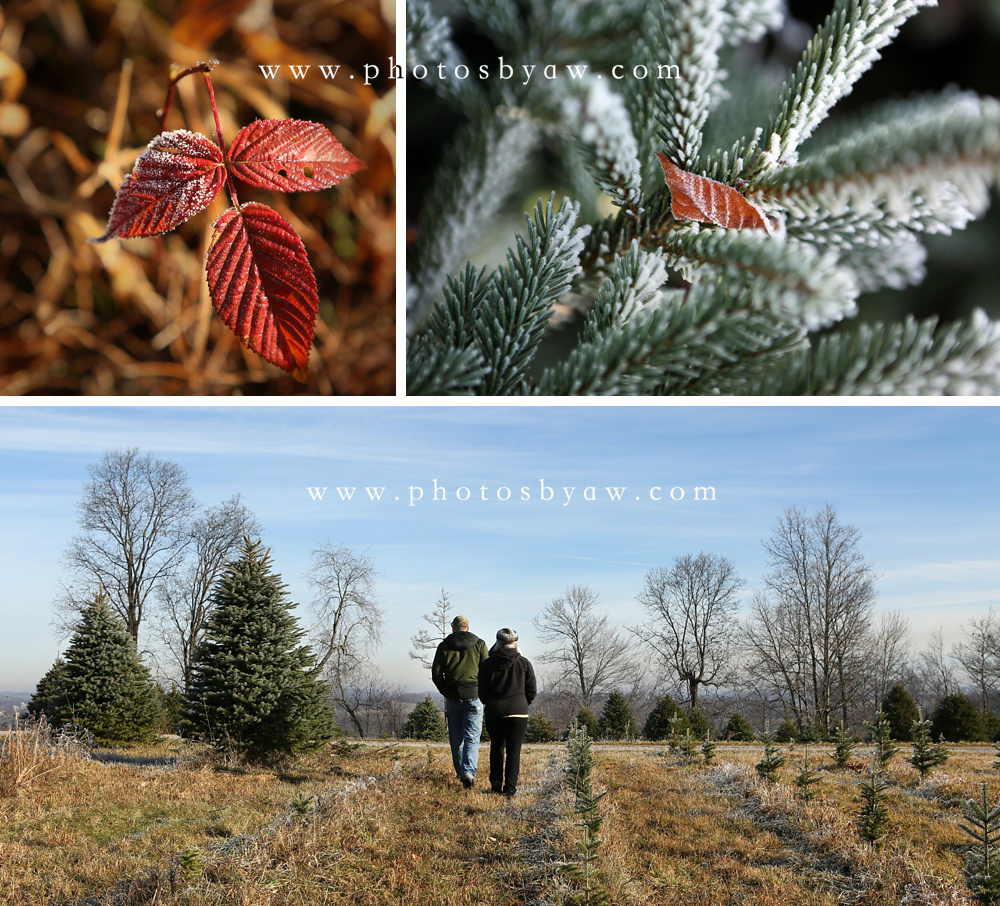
(664, 720)
(579, 774)
(588, 720)
(684, 745)
(102, 687)
(698, 724)
(616, 720)
(982, 863)
(844, 744)
(807, 778)
(873, 816)
(739, 729)
(786, 732)
(927, 754)
(426, 721)
(47, 691)
(883, 747)
(255, 688)
(641, 303)
(773, 760)
(708, 750)
(901, 712)
(540, 729)
(956, 719)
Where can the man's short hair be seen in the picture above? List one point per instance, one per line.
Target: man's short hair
(460, 622)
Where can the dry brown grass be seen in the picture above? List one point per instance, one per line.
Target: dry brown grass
(80, 84)
(697, 835)
(27, 753)
(383, 826)
(375, 825)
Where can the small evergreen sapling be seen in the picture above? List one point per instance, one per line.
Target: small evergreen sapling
(684, 746)
(873, 816)
(883, 748)
(982, 863)
(773, 760)
(708, 750)
(807, 778)
(844, 744)
(579, 773)
(927, 754)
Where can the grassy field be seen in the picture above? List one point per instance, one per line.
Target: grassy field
(385, 823)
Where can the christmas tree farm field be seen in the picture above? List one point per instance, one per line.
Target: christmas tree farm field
(381, 823)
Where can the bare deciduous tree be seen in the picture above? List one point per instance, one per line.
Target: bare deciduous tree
(979, 657)
(185, 596)
(934, 673)
(692, 609)
(589, 654)
(134, 514)
(810, 625)
(347, 621)
(886, 660)
(426, 641)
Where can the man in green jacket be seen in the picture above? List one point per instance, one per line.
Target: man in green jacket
(455, 673)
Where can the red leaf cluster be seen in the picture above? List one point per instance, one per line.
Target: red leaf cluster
(259, 276)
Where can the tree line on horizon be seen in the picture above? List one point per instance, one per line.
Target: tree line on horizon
(809, 654)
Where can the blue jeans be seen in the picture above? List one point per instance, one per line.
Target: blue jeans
(465, 726)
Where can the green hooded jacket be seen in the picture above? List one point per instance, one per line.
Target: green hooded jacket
(455, 670)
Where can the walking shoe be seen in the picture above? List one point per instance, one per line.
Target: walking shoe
(468, 781)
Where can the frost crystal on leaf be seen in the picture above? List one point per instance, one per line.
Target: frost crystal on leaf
(290, 156)
(178, 175)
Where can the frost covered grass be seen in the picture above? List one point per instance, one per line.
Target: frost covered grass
(693, 835)
(359, 824)
(380, 823)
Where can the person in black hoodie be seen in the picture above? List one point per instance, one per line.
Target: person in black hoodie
(506, 688)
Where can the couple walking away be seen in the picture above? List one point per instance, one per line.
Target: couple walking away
(495, 685)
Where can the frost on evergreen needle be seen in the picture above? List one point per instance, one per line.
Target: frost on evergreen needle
(611, 291)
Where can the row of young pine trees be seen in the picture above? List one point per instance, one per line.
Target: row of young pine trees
(255, 689)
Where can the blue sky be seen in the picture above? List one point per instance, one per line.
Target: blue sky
(919, 482)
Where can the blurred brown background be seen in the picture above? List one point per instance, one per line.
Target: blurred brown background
(80, 87)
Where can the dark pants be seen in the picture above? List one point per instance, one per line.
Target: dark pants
(506, 737)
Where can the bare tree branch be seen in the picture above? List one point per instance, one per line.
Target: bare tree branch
(589, 654)
(134, 514)
(693, 614)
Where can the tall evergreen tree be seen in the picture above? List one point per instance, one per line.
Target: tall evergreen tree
(255, 688)
(665, 719)
(102, 686)
(616, 720)
(901, 711)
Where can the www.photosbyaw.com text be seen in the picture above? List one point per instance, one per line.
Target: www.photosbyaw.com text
(504, 71)
(539, 491)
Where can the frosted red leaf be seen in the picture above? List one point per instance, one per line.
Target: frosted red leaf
(262, 285)
(290, 156)
(177, 176)
(694, 197)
